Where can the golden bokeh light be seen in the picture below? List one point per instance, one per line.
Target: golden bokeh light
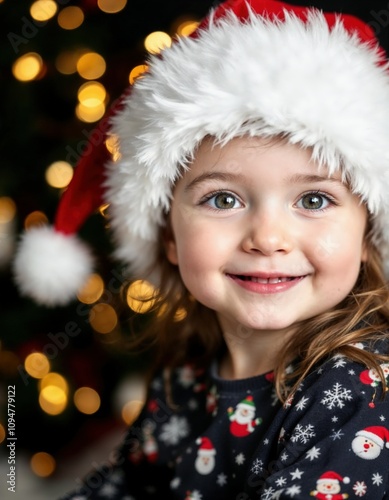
(27, 67)
(42, 464)
(137, 72)
(43, 10)
(156, 41)
(112, 144)
(2, 433)
(92, 290)
(53, 400)
(92, 94)
(103, 318)
(86, 400)
(37, 365)
(91, 66)
(7, 209)
(91, 106)
(70, 18)
(35, 219)
(111, 6)
(59, 174)
(186, 28)
(141, 296)
(131, 410)
(55, 380)
(89, 114)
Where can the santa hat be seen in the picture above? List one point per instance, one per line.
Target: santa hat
(247, 403)
(376, 433)
(257, 68)
(331, 476)
(206, 447)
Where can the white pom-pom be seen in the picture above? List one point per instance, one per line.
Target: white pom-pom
(51, 267)
(346, 480)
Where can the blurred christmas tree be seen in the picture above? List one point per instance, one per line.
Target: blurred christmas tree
(62, 63)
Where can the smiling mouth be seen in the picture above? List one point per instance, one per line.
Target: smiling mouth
(272, 281)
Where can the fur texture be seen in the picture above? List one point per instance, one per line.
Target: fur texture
(51, 267)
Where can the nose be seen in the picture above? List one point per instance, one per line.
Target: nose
(267, 232)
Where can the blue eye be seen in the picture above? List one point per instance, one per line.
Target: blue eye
(223, 201)
(314, 201)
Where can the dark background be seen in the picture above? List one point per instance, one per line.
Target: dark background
(37, 124)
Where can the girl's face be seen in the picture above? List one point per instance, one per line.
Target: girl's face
(263, 236)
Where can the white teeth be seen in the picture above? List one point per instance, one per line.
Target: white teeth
(269, 280)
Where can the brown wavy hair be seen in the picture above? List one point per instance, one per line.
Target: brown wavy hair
(363, 316)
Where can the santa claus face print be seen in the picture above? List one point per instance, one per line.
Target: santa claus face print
(329, 487)
(365, 448)
(263, 236)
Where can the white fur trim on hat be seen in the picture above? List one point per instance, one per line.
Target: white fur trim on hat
(50, 266)
(321, 87)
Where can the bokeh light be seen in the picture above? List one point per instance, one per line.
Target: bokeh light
(91, 66)
(92, 290)
(141, 296)
(7, 209)
(111, 6)
(59, 174)
(70, 18)
(43, 10)
(27, 67)
(42, 464)
(86, 400)
(37, 365)
(103, 318)
(156, 41)
(35, 219)
(137, 72)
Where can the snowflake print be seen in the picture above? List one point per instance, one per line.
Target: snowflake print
(281, 481)
(377, 479)
(336, 396)
(293, 490)
(257, 466)
(240, 459)
(313, 453)
(360, 488)
(174, 430)
(351, 372)
(339, 363)
(303, 433)
(336, 434)
(302, 403)
(268, 494)
(221, 479)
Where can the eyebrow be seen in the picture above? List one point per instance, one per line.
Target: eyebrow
(211, 176)
(297, 178)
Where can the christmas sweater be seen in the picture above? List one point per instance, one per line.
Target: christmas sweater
(234, 440)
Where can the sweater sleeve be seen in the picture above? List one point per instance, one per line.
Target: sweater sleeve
(330, 442)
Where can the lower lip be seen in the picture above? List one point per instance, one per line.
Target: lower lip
(266, 288)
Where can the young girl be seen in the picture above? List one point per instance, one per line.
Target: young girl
(252, 190)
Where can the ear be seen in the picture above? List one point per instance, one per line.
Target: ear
(169, 243)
